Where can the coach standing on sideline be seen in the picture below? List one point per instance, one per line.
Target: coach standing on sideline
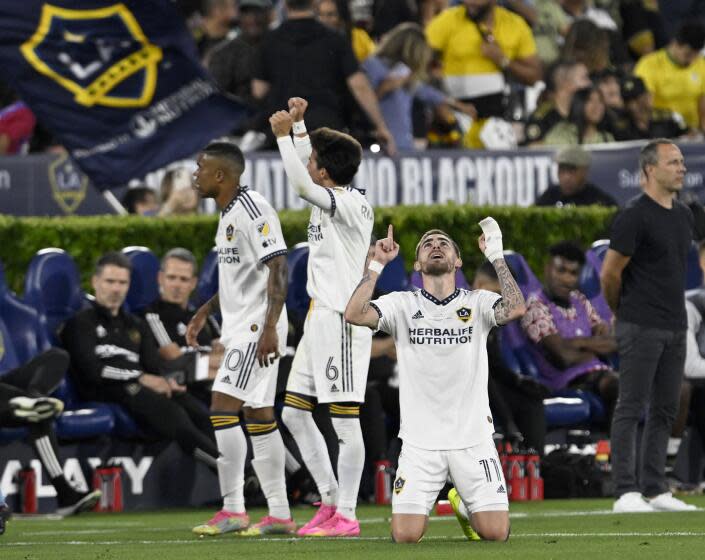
(643, 279)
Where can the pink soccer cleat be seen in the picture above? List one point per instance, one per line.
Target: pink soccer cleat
(323, 514)
(269, 526)
(337, 526)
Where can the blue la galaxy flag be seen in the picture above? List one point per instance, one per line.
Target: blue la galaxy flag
(118, 83)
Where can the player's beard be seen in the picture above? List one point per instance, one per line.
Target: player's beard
(437, 268)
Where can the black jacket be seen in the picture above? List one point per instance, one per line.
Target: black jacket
(108, 352)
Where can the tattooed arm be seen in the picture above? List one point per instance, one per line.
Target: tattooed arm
(277, 287)
(512, 305)
(358, 310)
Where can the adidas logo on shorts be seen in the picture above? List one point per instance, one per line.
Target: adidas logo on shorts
(226, 379)
(501, 489)
(417, 315)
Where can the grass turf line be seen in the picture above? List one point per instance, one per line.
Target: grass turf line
(566, 529)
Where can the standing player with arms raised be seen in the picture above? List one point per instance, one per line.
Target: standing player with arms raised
(252, 275)
(332, 358)
(440, 334)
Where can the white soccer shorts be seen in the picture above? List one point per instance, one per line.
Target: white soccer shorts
(476, 473)
(332, 359)
(241, 376)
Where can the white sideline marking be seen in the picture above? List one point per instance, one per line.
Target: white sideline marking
(228, 541)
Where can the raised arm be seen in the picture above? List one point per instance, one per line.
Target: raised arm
(277, 286)
(358, 310)
(299, 178)
(302, 142)
(512, 305)
(611, 277)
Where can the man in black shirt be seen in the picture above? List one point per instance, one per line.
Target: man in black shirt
(231, 63)
(573, 188)
(112, 353)
(169, 316)
(304, 58)
(643, 279)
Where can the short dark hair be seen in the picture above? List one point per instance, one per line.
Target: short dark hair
(649, 153)
(181, 254)
(227, 151)
(299, 4)
(338, 153)
(136, 195)
(691, 33)
(436, 232)
(112, 258)
(568, 250)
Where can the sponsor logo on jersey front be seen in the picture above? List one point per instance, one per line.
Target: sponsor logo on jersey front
(228, 255)
(437, 336)
(417, 315)
(314, 233)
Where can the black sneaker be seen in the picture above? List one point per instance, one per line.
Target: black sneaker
(5, 514)
(85, 502)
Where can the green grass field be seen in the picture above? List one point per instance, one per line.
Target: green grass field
(566, 529)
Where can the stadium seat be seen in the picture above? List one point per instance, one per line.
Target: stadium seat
(143, 280)
(53, 287)
(393, 277)
(694, 274)
(28, 331)
(207, 285)
(525, 277)
(561, 410)
(297, 298)
(460, 280)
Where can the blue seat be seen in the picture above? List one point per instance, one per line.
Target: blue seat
(207, 285)
(143, 280)
(561, 410)
(525, 277)
(694, 274)
(393, 277)
(53, 287)
(415, 280)
(27, 329)
(297, 298)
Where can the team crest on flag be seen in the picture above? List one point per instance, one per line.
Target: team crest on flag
(229, 232)
(464, 314)
(399, 485)
(100, 55)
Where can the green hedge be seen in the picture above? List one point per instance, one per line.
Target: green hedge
(526, 230)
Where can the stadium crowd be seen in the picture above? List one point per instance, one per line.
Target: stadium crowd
(416, 74)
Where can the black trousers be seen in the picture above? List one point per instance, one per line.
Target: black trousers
(182, 418)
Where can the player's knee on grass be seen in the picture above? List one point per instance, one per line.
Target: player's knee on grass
(493, 527)
(408, 529)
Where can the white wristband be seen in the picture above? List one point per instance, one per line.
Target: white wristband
(376, 266)
(299, 127)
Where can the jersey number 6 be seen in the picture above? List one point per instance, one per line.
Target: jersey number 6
(331, 370)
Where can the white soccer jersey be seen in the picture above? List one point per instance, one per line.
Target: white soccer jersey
(442, 354)
(249, 234)
(338, 240)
